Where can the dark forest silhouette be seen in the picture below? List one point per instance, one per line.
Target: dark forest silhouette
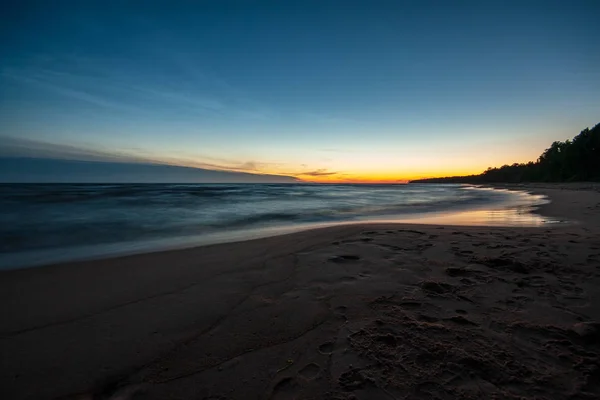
(568, 161)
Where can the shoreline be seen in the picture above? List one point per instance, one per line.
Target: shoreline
(475, 216)
(577, 201)
(332, 310)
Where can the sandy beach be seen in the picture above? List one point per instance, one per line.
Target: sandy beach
(354, 312)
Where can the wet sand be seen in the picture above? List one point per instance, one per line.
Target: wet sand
(354, 312)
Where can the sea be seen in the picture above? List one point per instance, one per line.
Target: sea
(47, 223)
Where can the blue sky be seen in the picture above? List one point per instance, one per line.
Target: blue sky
(319, 90)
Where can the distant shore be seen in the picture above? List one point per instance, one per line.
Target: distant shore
(364, 310)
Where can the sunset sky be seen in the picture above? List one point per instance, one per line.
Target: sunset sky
(323, 91)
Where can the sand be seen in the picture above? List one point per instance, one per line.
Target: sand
(354, 312)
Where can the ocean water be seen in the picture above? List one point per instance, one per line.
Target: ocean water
(44, 223)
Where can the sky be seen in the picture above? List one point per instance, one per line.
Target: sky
(323, 91)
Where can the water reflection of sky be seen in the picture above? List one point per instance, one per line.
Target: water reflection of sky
(517, 211)
(521, 217)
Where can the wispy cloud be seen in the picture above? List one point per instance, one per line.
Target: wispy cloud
(18, 147)
(177, 85)
(318, 172)
(249, 165)
(33, 149)
(222, 164)
(99, 83)
(245, 105)
(43, 80)
(116, 85)
(193, 102)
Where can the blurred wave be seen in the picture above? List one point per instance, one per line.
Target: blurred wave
(50, 216)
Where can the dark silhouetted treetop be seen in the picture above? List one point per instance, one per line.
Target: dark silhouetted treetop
(571, 160)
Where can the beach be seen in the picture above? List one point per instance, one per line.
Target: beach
(362, 311)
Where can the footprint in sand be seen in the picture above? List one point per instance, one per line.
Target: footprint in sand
(411, 231)
(411, 304)
(341, 310)
(454, 271)
(436, 287)
(344, 258)
(459, 319)
(310, 371)
(286, 388)
(326, 348)
(427, 318)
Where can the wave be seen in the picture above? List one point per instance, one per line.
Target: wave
(52, 216)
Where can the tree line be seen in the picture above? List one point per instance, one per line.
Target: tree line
(572, 160)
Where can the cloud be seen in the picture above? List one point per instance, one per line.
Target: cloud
(249, 165)
(194, 102)
(123, 90)
(62, 85)
(318, 172)
(19, 147)
(24, 160)
(47, 170)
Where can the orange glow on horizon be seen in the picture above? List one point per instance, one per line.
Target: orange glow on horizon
(382, 166)
(366, 175)
(382, 177)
